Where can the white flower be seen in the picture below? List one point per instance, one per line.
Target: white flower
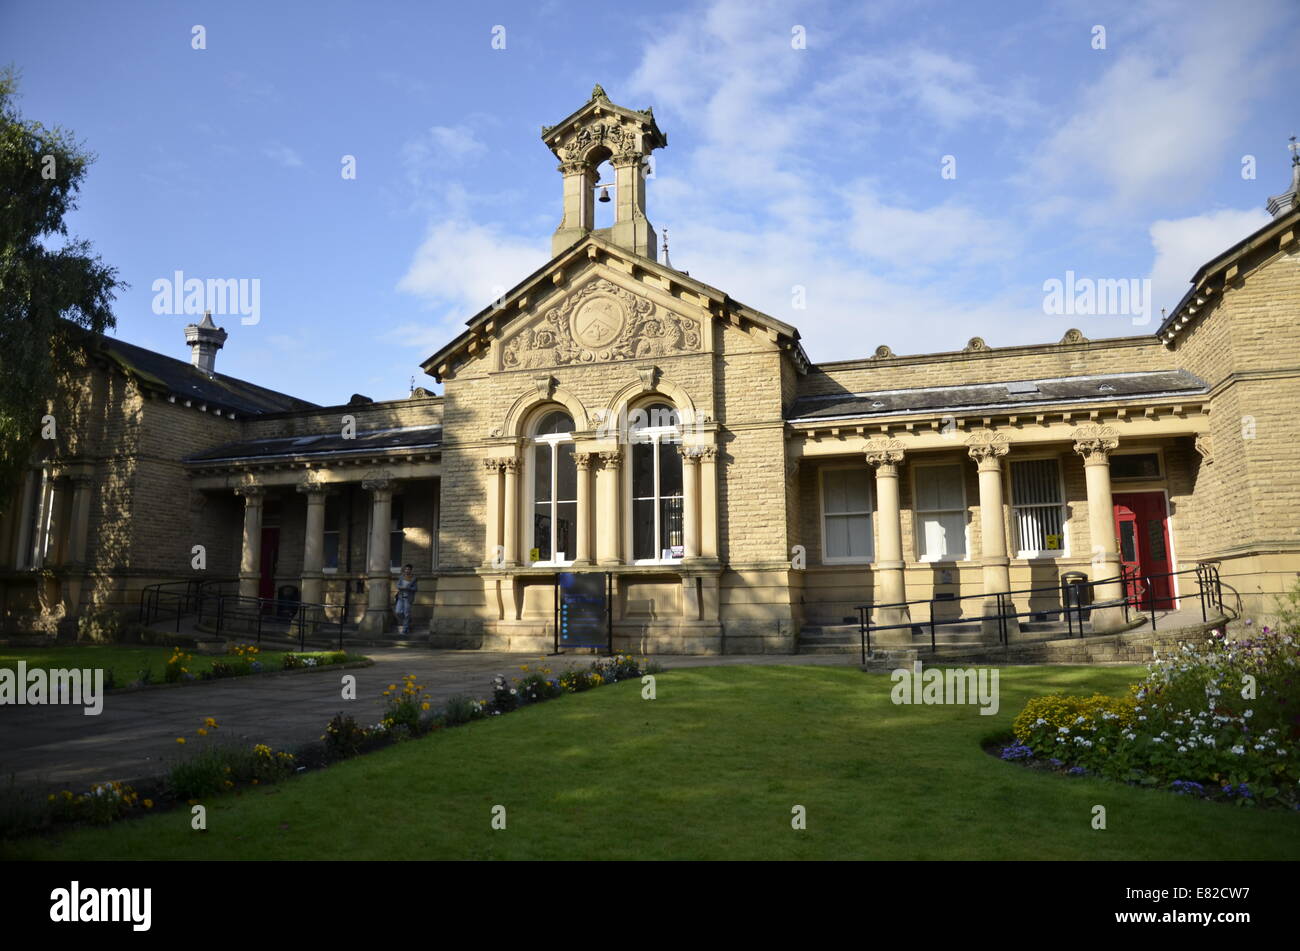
(1156, 739)
(1239, 749)
(1062, 729)
(1182, 749)
(1248, 714)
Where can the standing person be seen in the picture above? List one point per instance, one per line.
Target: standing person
(406, 588)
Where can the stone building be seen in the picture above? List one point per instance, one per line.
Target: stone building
(612, 413)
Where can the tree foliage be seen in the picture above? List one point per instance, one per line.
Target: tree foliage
(52, 287)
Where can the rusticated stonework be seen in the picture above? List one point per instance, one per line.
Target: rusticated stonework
(600, 322)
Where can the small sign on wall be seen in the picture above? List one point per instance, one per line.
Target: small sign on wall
(1053, 542)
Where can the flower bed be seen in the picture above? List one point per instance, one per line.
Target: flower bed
(1218, 720)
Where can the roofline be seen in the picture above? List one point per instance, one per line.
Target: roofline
(1102, 343)
(97, 341)
(965, 386)
(984, 407)
(281, 414)
(372, 451)
(585, 248)
(1257, 239)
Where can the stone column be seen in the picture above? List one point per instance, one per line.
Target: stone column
(609, 537)
(582, 553)
(78, 534)
(378, 571)
(57, 546)
(313, 553)
(31, 501)
(885, 456)
(709, 502)
(511, 542)
(631, 228)
(1094, 444)
(987, 448)
(579, 208)
(493, 553)
(250, 561)
(690, 503)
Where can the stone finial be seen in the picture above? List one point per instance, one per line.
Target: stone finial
(976, 345)
(598, 92)
(205, 339)
(1074, 335)
(1279, 205)
(883, 352)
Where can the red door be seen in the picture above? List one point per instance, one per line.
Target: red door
(1142, 529)
(270, 555)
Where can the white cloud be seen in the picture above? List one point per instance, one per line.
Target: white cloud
(461, 267)
(283, 155)
(1183, 245)
(1170, 99)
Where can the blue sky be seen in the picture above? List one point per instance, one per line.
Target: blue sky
(817, 168)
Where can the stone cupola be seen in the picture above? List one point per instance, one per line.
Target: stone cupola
(598, 132)
(205, 339)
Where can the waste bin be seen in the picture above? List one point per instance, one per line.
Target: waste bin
(1076, 593)
(286, 602)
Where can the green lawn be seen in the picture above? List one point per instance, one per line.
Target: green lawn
(709, 770)
(125, 662)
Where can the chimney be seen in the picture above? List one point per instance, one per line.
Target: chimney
(205, 339)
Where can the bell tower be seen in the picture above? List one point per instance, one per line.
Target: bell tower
(597, 132)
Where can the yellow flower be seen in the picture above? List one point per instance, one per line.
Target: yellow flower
(202, 732)
(424, 706)
(180, 739)
(148, 803)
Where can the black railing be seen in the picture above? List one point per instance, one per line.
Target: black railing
(172, 600)
(1138, 591)
(275, 616)
(168, 600)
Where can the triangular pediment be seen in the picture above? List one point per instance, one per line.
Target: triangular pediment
(597, 302)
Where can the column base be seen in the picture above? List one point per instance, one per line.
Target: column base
(374, 622)
(990, 632)
(249, 585)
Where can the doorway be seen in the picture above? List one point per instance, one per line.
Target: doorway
(1142, 531)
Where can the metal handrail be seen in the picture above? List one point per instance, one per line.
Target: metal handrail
(1209, 590)
(228, 608)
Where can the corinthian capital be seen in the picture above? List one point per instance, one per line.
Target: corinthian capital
(986, 447)
(883, 452)
(1094, 443)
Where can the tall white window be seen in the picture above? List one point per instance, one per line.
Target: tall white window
(846, 514)
(555, 491)
(1037, 507)
(656, 469)
(940, 513)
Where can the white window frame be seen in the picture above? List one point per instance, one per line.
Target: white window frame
(530, 496)
(656, 435)
(1026, 554)
(870, 557)
(917, 511)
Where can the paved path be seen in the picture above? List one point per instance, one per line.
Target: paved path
(59, 747)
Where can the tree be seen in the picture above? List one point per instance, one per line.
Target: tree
(50, 296)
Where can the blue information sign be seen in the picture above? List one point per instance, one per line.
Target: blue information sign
(582, 609)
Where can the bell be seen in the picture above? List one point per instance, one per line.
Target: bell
(604, 193)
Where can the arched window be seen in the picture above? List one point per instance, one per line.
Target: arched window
(654, 432)
(555, 490)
